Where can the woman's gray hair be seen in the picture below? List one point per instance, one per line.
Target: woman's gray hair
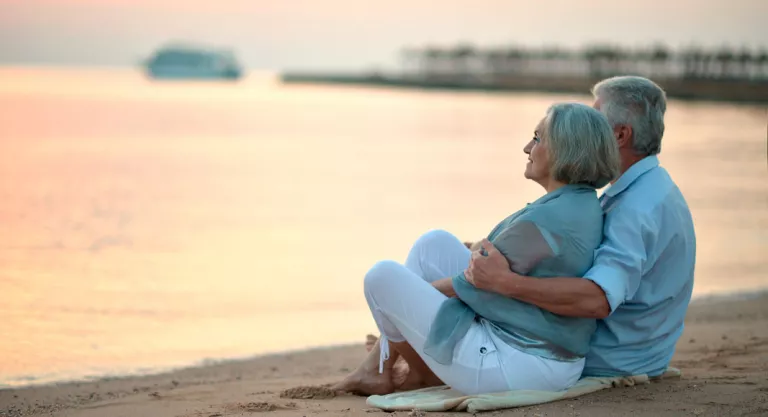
(637, 102)
(582, 147)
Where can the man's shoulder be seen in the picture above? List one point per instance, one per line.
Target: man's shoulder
(655, 206)
(653, 192)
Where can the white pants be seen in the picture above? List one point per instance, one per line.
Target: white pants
(404, 304)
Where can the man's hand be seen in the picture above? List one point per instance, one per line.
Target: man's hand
(488, 272)
(570, 297)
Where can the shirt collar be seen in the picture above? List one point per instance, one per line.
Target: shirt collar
(634, 172)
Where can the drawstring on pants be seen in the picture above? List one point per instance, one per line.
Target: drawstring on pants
(383, 352)
(483, 351)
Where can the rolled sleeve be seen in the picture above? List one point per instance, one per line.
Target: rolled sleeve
(612, 283)
(620, 259)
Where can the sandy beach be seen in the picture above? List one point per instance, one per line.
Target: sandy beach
(723, 355)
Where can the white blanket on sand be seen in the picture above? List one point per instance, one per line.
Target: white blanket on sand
(445, 399)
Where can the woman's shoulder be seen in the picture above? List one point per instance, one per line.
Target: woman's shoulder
(566, 202)
(567, 210)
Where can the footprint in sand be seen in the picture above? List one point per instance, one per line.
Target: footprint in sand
(255, 407)
(308, 393)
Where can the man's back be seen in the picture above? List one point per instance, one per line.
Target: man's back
(645, 266)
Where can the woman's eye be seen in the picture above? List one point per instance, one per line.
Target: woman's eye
(536, 139)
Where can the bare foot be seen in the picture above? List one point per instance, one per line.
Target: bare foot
(402, 377)
(370, 341)
(414, 380)
(399, 370)
(367, 382)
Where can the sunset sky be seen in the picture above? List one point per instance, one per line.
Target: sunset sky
(344, 34)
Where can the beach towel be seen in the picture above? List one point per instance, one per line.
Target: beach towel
(445, 399)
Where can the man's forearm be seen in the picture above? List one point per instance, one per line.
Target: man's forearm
(445, 286)
(571, 297)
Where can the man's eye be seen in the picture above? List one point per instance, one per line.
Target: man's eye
(537, 140)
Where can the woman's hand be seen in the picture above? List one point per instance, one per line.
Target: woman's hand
(476, 246)
(488, 272)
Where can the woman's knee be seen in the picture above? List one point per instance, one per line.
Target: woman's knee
(383, 274)
(434, 238)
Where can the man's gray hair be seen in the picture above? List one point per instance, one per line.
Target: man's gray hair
(637, 102)
(582, 147)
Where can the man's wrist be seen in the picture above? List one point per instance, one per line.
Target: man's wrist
(511, 285)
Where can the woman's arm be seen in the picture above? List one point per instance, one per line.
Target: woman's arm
(445, 286)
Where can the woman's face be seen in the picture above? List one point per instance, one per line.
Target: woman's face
(537, 168)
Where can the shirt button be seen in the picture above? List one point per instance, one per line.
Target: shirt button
(483, 350)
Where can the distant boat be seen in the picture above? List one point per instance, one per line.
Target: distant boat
(186, 62)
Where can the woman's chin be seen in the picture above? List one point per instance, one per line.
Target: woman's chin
(527, 174)
(534, 178)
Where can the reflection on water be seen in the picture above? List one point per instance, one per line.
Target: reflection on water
(148, 225)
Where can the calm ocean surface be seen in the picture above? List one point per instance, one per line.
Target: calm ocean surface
(153, 225)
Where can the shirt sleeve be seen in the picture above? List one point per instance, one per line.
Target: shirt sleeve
(620, 258)
(525, 244)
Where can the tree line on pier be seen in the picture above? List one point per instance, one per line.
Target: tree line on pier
(660, 61)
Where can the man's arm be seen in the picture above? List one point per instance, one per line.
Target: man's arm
(614, 277)
(571, 297)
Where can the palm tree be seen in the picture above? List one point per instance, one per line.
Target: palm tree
(744, 60)
(594, 55)
(712, 67)
(659, 57)
(461, 58)
(725, 57)
(693, 62)
(494, 61)
(761, 61)
(411, 59)
(700, 62)
(613, 57)
(642, 60)
(556, 57)
(434, 61)
(514, 59)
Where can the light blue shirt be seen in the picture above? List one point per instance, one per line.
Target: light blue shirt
(645, 266)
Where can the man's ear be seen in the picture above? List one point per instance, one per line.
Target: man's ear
(623, 135)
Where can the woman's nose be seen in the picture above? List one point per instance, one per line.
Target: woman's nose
(528, 146)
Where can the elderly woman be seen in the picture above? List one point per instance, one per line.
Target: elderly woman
(476, 341)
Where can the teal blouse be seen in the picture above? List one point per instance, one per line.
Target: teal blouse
(554, 236)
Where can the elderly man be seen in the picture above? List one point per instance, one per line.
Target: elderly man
(641, 281)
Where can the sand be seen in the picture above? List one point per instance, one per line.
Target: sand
(723, 355)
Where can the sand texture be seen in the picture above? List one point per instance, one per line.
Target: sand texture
(723, 355)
